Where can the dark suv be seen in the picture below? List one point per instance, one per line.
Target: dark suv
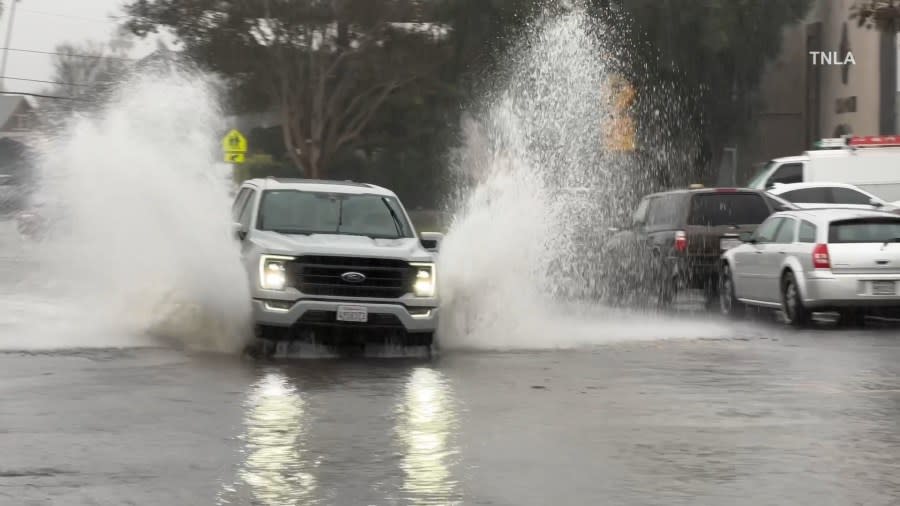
(677, 237)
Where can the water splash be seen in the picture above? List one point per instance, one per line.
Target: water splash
(540, 186)
(140, 239)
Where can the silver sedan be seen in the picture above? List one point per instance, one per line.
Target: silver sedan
(800, 261)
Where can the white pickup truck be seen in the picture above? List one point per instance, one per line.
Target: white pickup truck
(336, 262)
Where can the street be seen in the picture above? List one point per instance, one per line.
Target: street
(784, 419)
(756, 414)
(506, 253)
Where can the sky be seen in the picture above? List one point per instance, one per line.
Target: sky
(41, 25)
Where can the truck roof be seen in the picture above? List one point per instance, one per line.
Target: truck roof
(319, 185)
(789, 159)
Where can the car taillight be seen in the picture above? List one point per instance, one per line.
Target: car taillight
(820, 257)
(680, 241)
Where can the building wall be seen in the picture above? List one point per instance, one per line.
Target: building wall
(863, 78)
(783, 113)
(787, 122)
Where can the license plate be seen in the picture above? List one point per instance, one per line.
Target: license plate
(884, 288)
(726, 243)
(358, 314)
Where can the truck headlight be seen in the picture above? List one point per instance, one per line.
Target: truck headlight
(272, 272)
(425, 283)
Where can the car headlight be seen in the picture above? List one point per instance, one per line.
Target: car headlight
(273, 272)
(425, 283)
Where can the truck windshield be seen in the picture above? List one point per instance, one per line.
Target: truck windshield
(760, 177)
(302, 212)
(878, 230)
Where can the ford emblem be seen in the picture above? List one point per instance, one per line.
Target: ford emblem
(353, 277)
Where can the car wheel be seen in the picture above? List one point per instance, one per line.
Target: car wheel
(667, 289)
(728, 304)
(795, 313)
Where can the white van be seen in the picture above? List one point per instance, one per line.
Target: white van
(871, 163)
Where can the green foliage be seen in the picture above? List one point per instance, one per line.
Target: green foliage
(883, 15)
(326, 65)
(696, 66)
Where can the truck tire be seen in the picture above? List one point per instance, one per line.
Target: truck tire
(271, 332)
(667, 289)
(419, 339)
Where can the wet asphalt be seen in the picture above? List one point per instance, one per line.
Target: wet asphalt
(801, 419)
(763, 416)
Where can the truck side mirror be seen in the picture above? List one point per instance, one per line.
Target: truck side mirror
(876, 203)
(431, 241)
(747, 237)
(238, 230)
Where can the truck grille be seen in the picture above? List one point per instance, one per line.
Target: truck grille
(321, 275)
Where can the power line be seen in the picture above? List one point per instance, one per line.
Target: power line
(40, 95)
(96, 57)
(47, 82)
(112, 19)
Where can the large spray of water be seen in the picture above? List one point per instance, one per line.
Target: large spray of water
(539, 189)
(139, 238)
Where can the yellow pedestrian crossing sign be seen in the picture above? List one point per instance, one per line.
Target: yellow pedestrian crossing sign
(234, 142)
(234, 157)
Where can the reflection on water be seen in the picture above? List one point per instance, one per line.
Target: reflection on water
(274, 469)
(426, 426)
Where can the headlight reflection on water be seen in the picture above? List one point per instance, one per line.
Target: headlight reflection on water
(426, 427)
(274, 469)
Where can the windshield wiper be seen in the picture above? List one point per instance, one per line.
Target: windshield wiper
(340, 215)
(393, 217)
(290, 231)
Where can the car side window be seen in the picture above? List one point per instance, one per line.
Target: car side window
(640, 214)
(247, 210)
(787, 174)
(766, 232)
(238, 204)
(847, 196)
(785, 234)
(807, 196)
(807, 232)
(664, 212)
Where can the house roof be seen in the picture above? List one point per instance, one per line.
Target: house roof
(8, 106)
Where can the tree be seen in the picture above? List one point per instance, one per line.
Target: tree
(881, 14)
(82, 72)
(696, 68)
(327, 66)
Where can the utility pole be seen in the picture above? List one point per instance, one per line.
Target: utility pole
(9, 28)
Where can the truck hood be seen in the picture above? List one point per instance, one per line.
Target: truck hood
(407, 248)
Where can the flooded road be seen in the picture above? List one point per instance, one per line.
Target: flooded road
(797, 419)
